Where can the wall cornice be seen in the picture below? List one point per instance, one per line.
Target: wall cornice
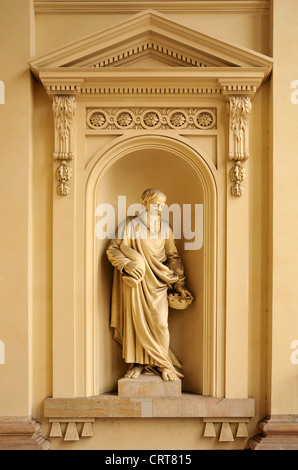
(61, 81)
(79, 6)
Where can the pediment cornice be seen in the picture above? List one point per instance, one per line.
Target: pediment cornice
(151, 50)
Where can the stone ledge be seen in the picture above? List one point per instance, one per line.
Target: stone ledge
(70, 412)
(186, 405)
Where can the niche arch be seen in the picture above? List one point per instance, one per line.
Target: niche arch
(112, 167)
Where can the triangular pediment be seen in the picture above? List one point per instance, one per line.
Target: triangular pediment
(149, 40)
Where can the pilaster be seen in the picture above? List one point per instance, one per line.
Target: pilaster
(64, 106)
(238, 95)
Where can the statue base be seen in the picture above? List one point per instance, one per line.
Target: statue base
(148, 385)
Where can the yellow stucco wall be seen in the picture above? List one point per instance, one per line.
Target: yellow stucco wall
(16, 198)
(284, 383)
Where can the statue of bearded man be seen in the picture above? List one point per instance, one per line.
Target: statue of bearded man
(147, 264)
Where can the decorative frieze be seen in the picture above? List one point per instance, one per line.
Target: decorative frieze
(157, 118)
(64, 108)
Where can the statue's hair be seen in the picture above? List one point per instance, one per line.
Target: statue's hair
(150, 194)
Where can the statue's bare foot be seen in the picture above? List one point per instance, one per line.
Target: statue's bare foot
(168, 374)
(134, 371)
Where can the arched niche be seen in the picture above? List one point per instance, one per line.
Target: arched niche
(125, 168)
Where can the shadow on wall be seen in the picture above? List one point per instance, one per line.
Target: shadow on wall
(2, 92)
(2, 353)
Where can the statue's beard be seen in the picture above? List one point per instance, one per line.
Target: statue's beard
(153, 223)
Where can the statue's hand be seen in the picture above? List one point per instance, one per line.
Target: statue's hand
(133, 270)
(185, 294)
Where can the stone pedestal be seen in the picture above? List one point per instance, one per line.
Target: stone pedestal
(148, 385)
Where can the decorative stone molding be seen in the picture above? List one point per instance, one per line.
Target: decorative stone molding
(71, 431)
(21, 433)
(246, 6)
(237, 175)
(165, 54)
(64, 108)
(61, 87)
(63, 176)
(226, 433)
(157, 118)
(148, 90)
(278, 432)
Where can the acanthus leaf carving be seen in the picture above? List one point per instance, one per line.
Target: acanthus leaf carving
(64, 108)
(239, 109)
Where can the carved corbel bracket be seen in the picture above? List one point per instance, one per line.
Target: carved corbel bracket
(239, 108)
(64, 108)
(239, 104)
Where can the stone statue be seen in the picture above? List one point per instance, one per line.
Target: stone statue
(147, 266)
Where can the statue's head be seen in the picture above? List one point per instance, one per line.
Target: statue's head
(154, 200)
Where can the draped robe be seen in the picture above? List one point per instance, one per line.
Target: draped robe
(139, 315)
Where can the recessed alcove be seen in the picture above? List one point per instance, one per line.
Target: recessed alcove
(126, 170)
